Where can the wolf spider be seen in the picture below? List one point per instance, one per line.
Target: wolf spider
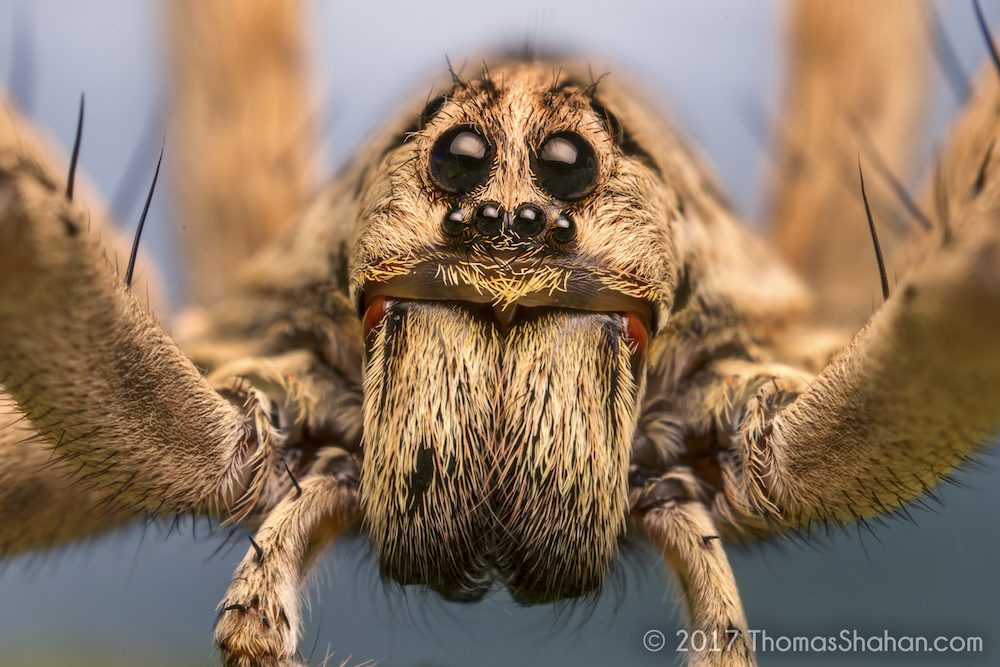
(707, 451)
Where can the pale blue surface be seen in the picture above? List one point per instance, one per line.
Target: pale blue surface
(709, 60)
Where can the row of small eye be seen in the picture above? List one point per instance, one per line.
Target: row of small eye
(565, 166)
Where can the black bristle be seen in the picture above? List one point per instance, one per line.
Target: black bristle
(455, 78)
(142, 222)
(295, 483)
(886, 172)
(871, 226)
(76, 153)
(986, 34)
(257, 548)
(309, 662)
(941, 199)
(977, 187)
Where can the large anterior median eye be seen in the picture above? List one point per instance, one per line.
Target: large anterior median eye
(565, 166)
(461, 160)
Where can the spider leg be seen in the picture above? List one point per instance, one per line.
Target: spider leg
(916, 391)
(63, 311)
(259, 620)
(857, 89)
(701, 430)
(242, 131)
(43, 501)
(98, 377)
(91, 369)
(684, 530)
(303, 405)
(22, 143)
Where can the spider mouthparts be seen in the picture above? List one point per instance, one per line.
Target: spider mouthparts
(635, 330)
(374, 313)
(505, 315)
(636, 335)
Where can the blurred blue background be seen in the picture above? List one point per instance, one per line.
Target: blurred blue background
(142, 598)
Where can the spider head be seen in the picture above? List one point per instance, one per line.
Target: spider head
(514, 255)
(521, 188)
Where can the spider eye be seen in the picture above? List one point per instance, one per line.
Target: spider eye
(566, 166)
(461, 160)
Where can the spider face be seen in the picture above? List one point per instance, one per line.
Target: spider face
(507, 243)
(523, 325)
(517, 190)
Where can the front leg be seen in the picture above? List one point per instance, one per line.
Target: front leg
(93, 372)
(683, 529)
(259, 622)
(916, 392)
(43, 502)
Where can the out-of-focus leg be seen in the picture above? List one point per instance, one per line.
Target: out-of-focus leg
(242, 139)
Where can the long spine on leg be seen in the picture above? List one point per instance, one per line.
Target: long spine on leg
(918, 389)
(91, 369)
(857, 86)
